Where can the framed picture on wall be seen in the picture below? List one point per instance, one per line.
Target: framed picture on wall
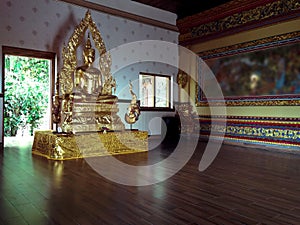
(261, 72)
(155, 91)
(162, 92)
(147, 90)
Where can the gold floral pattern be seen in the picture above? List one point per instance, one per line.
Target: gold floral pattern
(277, 131)
(259, 13)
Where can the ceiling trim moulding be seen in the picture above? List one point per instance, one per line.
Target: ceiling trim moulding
(123, 14)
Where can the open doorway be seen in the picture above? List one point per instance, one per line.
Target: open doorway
(28, 88)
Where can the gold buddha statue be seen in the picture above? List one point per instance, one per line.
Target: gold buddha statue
(87, 79)
(95, 107)
(88, 90)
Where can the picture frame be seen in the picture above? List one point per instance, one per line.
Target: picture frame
(147, 92)
(260, 72)
(155, 92)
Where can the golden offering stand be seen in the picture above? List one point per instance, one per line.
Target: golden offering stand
(84, 104)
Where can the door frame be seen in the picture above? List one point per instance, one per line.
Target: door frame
(8, 50)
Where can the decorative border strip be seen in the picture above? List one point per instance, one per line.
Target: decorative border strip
(258, 15)
(268, 42)
(286, 100)
(257, 102)
(224, 10)
(283, 132)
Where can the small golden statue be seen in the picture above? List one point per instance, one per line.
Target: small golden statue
(56, 106)
(67, 104)
(133, 111)
(182, 78)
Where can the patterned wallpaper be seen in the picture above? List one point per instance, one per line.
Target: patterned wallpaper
(53, 21)
(47, 25)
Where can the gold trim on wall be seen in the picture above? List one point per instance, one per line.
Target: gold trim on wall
(259, 13)
(293, 102)
(255, 43)
(243, 16)
(269, 130)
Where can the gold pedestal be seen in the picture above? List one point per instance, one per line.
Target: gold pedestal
(72, 146)
(94, 116)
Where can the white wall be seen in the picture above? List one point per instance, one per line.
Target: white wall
(139, 9)
(47, 25)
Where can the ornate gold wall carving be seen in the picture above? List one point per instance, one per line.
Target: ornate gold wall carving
(246, 15)
(258, 102)
(259, 13)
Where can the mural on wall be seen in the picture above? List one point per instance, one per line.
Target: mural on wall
(274, 71)
(261, 72)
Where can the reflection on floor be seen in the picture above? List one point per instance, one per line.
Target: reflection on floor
(242, 186)
(25, 141)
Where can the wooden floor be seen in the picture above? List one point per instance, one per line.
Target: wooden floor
(242, 186)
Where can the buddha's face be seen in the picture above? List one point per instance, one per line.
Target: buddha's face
(89, 56)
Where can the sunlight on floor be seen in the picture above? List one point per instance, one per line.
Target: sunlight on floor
(20, 141)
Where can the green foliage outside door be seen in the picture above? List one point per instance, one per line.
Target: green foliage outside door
(26, 94)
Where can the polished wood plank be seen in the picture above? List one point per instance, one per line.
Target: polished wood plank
(242, 186)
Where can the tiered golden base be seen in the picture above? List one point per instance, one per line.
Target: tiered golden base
(69, 146)
(93, 116)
